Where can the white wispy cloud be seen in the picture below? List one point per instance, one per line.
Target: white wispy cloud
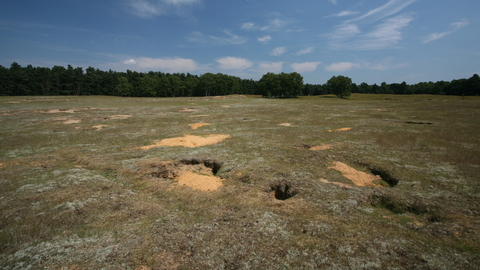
(265, 39)
(305, 67)
(278, 51)
(150, 8)
(453, 28)
(305, 51)
(163, 64)
(276, 24)
(333, 1)
(386, 34)
(341, 66)
(390, 8)
(265, 67)
(227, 63)
(130, 62)
(343, 14)
(230, 38)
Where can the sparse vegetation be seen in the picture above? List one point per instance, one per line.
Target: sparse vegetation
(75, 196)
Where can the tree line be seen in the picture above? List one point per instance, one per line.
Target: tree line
(59, 80)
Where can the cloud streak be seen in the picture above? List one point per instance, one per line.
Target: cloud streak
(151, 8)
(390, 8)
(230, 38)
(453, 28)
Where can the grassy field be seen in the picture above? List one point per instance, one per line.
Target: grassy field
(79, 192)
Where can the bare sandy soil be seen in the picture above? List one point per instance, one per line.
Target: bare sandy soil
(357, 177)
(188, 141)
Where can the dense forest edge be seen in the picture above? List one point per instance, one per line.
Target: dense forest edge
(29, 80)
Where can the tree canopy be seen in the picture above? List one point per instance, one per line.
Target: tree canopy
(59, 80)
(340, 86)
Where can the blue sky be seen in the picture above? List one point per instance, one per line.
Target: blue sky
(367, 40)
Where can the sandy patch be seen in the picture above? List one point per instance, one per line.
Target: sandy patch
(200, 115)
(340, 129)
(37, 100)
(72, 121)
(60, 111)
(286, 124)
(197, 125)
(98, 127)
(189, 110)
(118, 117)
(3, 165)
(357, 177)
(321, 147)
(335, 183)
(200, 180)
(187, 141)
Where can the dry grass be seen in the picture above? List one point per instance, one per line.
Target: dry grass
(71, 198)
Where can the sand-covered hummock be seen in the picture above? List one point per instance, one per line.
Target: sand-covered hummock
(340, 129)
(197, 125)
(357, 177)
(321, 147)
(188, 141)
(204, 182)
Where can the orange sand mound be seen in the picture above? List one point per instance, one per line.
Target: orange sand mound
(199, 181)
(321, 147)
(340, 129)
(188, 141)
(357, 177)
(197, 125)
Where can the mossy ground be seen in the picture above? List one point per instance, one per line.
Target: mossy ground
(73, 197)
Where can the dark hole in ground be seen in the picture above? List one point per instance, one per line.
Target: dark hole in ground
(282, 190)
(408, 204)
(209, 163)
(418, 123)
(385, 175)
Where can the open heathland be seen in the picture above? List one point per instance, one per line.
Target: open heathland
(240, 182)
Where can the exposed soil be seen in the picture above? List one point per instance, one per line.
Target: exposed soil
(37, 100)
(200, 115)
(72, 121)
(197, 125)
(321, 147)
(187, 141)
(189, 110)
(340, 129)
(286, 124)
(98, 127)
(118, 117)
(60, 111)
(357, 177)
(193, 173)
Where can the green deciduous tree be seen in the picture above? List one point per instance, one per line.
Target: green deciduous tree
(340, 86)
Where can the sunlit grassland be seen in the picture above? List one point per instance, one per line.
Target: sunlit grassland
(80, 196)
